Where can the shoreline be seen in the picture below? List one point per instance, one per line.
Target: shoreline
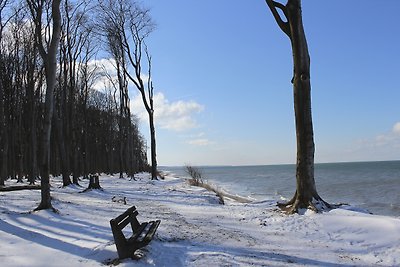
(372, 187)
(195, 229)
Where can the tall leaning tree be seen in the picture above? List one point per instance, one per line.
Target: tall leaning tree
(290, 22)
(48, 53)
(128, 25)
(140, 25)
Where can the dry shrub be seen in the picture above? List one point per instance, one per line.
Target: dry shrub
(195, 173)
(197, 180)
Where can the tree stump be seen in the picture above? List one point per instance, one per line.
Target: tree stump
(94, 182)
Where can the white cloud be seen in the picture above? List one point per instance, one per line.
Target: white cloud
(387, 140)
(384, 146)
(104, 63)
(176, 116)
(396, 128)
(200, 142)
(105, 67)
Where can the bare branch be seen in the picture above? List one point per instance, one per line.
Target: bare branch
(150, 87)
(3, 22)
(273, 6)
(36, 9)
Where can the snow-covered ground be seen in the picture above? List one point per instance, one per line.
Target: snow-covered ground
(195, 229)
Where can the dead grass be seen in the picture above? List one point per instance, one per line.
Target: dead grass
(198, 180)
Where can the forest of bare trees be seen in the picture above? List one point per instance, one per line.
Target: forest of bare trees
(92, 130)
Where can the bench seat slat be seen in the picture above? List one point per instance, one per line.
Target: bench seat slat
(136, 234)
(151, 231)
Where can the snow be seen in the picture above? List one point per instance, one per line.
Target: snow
(195, 229)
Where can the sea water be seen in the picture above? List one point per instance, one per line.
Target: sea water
(373, 186)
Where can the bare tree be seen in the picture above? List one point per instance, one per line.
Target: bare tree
(290, 22)
(88, 75)
(34, 81)
(17, 142)
(48, 52)
(128, 25)
(3, 132)
(140, 26)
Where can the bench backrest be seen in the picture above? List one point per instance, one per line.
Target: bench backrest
(120, 222)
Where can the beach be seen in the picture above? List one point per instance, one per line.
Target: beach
(195, 229)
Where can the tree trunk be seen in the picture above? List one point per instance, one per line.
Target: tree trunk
(32, 144)
(153, 146)
(85, 149)
(63, 153)
(306, 195)
(45, 142)
(3, 135)
(3, 142)
(33, 148)
(21, 144)
(75, 163)
(50, 62)
(94, 183)
(121, 147)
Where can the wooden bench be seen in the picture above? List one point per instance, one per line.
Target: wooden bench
(142, 233)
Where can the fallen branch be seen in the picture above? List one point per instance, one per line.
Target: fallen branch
(19, 187)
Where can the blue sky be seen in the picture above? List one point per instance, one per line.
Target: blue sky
(222, 71)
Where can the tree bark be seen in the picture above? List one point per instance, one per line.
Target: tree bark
(153, 146)
(94, 183)
(3, 138)
(32, 143)
(3, 131)
(50, 64)
(75, 163)
(62, 151)
(306, 195)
